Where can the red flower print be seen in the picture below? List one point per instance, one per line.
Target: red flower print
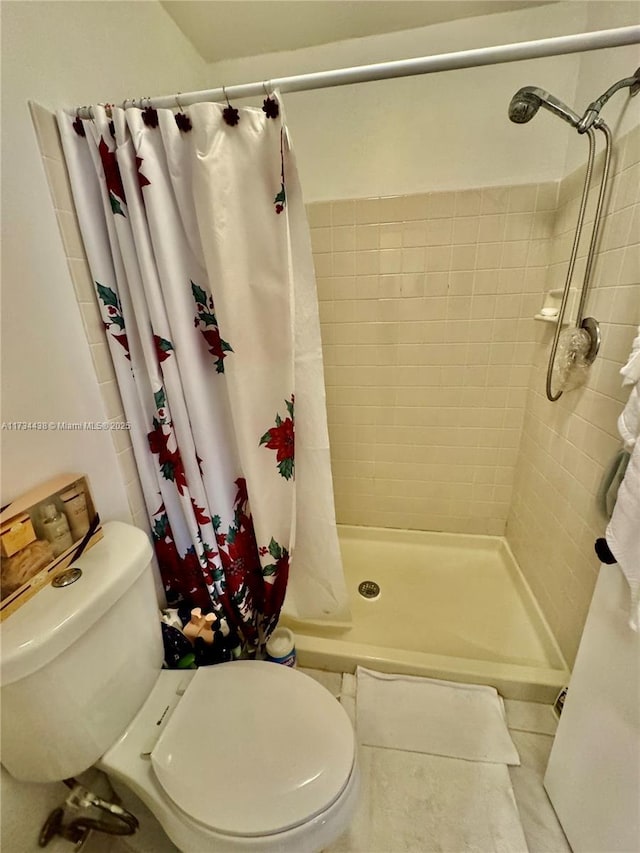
(183, 577)
(170, 461)
(241, 551)
(206, 322)
(281, 438)
(212, 337)
(242, 495)
(276, 575)
(164, 348)
(110, 300)
(201, 516)
(112, 177)
(142, 179)
(124, 343)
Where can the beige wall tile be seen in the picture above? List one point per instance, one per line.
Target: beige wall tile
(59, 185)
(424, 354)
(319, 214)
(112, 400)
(343, 212)
(435, 374)
(102, 362)
(46, 127)
(566, 446)
(70, 231)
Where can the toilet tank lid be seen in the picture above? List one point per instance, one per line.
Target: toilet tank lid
(51, 621)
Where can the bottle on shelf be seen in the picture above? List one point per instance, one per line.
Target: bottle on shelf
(56, 529)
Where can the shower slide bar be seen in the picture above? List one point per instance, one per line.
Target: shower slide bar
(582, 345)
(477, 57)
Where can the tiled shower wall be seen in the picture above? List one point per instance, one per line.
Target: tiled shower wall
(426, 306)
(566, 446)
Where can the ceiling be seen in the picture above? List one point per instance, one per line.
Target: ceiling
(228, 29)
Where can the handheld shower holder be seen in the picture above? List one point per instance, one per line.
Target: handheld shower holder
(522, 108)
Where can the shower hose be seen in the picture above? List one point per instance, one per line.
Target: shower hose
(601, 126)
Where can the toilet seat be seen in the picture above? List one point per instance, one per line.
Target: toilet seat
(254, 748)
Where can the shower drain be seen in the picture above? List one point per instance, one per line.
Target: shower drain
(369, 589)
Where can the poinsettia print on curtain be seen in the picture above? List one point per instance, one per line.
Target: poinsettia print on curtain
(281, 438)
(193, 266)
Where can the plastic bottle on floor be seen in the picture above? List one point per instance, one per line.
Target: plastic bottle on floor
(281, 647)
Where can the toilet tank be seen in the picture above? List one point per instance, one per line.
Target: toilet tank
(78, 662)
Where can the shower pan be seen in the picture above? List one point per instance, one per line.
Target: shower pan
(445, 605)
(580, 344)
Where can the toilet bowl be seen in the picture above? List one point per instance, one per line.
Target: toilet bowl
(241, 756)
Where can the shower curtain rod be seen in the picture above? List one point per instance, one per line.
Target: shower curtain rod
(516, 52)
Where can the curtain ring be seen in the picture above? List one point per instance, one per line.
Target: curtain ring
(77, 124)
(270, 106)
(149, 114)
(230, 114)
(182, 119)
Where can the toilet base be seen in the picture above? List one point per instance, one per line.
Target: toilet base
(313, 837)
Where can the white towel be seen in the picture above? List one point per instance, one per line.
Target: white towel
(629, 420)
(623, 531)
(438, 717)
(631, 370)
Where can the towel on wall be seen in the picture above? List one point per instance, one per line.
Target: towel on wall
(629, 420)
(623, 531)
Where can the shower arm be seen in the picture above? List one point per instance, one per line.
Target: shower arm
(592, 112)
(572, 262)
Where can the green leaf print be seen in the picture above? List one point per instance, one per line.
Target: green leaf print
(274, 549)
(107, 295)
(160, 399)
(116, 207)
(198, 294)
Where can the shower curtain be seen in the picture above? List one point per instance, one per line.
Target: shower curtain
(196, 238)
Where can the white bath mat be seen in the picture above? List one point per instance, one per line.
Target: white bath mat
(416, 803)
(436, 717)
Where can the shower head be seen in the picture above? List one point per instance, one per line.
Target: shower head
(527, 101)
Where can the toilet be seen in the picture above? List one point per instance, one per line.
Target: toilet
(241, 756)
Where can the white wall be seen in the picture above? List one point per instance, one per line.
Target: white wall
(600, 69)
(61, 53)
(436, 132)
